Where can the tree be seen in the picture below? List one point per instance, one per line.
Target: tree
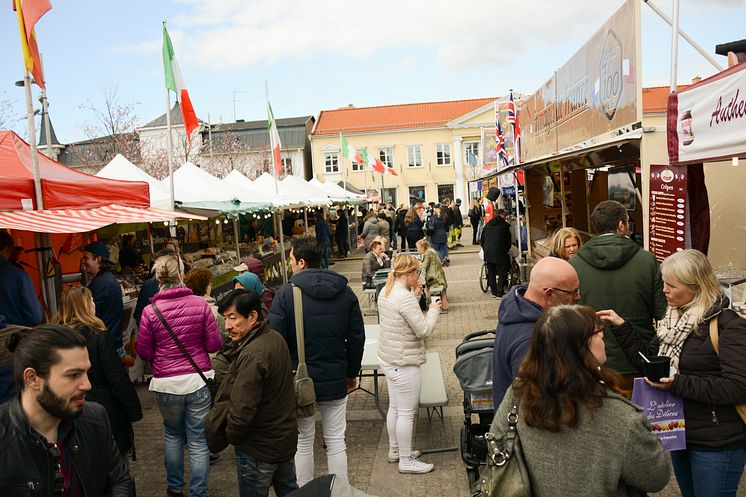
(111, 132)
(8, 111)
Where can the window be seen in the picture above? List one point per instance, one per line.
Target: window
(287, 165)
(443, 154)
(331, 163)
(445, 192)
(387, 156)
(416, 194)
(414, 155)
(389, 195)
(358, 167)
(471, 153)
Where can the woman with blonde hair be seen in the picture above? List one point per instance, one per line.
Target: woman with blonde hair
(181, 393)
(432, 271)
(110, 384)
(706, 342)
(565, 243)
(401, 352)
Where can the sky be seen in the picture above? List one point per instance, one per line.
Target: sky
(325, 54)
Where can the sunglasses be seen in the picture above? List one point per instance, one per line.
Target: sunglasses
(58, 480)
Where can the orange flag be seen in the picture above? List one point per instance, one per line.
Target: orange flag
(29, 12)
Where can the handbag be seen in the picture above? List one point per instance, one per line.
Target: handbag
(740, 408)
(506, 474)
(305, 396)
(209, 382)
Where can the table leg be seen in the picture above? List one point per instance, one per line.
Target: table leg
(376, 394)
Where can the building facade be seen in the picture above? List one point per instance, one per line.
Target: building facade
(434, 147)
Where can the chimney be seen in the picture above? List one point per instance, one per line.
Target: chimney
(696, 79)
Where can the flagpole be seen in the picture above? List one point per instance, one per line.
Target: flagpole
(515, 182)
(277, 189)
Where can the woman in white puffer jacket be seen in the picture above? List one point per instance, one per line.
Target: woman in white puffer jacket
(401, 352)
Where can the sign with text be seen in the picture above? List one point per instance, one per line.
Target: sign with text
(665, 412)
(667, 210)
(707, 121)
(596, 91)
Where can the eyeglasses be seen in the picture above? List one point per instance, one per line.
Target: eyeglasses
(58, 480)
(598, 329)
(569, 292)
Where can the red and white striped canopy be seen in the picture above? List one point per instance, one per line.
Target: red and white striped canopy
(80, 221)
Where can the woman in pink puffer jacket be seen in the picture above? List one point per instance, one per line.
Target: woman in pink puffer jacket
(180, 392)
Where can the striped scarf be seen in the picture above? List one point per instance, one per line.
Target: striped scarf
(673, 331)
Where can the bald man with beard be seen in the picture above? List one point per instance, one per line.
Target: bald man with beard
(553, 282)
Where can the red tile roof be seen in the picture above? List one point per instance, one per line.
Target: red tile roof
(655, 98)
(393, 117)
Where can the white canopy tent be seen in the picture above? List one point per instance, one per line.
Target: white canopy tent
(122, 169)
(253, 191)
(288, 191)
(337, 193)
(311, 193)
(197, 189)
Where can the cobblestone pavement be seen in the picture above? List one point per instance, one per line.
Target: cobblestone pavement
(367, 444)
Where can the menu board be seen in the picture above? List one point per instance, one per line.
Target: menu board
(667, 210)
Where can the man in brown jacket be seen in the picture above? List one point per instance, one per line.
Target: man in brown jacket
(257, 398)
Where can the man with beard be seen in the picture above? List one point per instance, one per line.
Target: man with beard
(53, 442)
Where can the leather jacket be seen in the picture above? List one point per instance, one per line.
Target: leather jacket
(26, 467)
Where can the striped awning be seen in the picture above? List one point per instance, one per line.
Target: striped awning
(83, 220)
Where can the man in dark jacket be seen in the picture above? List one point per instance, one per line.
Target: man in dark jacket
(615, 273)
(258, 395)
(334, 340)
(341, 234)
(496, 245)
(149, 288)
(553, 282)
(322, 235)
(106, 291)
(18, 302)
(54, 442)
(458, 220)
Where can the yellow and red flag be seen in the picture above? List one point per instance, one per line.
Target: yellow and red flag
(29, 12)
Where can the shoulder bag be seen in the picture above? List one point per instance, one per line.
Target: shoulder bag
(209, 382)
(305, 396)
(506, 474)
(740, 408)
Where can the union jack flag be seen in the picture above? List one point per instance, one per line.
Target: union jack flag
(513, 119)
(500, 139)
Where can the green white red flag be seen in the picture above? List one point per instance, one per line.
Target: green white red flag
(349, 152)
(274, 135)
(175, 83)
(372, 162)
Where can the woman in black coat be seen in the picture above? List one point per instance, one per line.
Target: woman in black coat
(110, 384)
(400, 226)
(495, 242)
(341, 235)
(414, 227)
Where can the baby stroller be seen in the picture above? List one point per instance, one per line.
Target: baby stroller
(473, 368)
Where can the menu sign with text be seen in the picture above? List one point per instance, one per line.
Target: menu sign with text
(667, 210)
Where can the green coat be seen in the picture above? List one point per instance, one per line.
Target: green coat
(615, 273)
(432, 270)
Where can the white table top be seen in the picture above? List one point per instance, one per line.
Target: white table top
(370, 351)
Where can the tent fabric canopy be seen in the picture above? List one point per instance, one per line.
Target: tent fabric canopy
(267, 183)
(83, 220)
(302, 187)
(252, 191)
(122, 169)
(61, 186)
(338, 194)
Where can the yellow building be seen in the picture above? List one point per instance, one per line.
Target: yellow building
(434, 147)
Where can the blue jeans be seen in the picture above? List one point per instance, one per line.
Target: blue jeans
(442, 250)
(184, 416)
(708, 473)
(255, 477)
(324, 255)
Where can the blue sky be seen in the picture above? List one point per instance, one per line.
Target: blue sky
(324, 54)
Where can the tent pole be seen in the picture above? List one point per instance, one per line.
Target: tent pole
(237, 237)
(305, 217)
(278, 228)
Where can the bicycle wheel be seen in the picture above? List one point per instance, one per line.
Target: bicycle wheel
(483, 279)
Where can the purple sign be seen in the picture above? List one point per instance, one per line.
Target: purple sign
(665, 411)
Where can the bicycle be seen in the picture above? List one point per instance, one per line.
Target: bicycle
(514, 275)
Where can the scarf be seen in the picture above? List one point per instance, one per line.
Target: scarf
(673, 330)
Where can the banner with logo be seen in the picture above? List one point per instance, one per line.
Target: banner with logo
(707, 121)
(597, 91)
(488, 152)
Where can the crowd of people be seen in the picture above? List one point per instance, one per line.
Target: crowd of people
(568, 347)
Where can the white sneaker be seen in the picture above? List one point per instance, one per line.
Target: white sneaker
(415, 466)
(394, 455)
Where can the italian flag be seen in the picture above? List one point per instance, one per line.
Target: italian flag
(349, 151)
(274, 136)
(175, 83)
(373, 163)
